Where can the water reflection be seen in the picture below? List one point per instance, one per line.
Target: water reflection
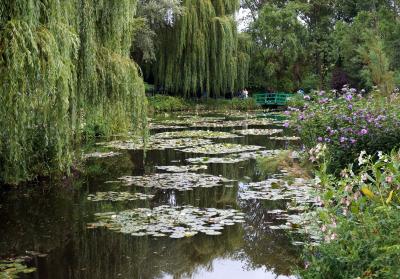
(53, 220)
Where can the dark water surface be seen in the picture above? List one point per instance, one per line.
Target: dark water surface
(51, 220)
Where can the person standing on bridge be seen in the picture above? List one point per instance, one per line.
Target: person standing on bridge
(245, 94)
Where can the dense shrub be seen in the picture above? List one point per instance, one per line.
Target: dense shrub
(244, 104)
(164, 103)
(360, 222)
(348, 123)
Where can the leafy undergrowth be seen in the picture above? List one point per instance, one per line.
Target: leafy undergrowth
(360, 221)
(165, 103)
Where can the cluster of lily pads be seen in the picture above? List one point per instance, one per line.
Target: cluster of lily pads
(195, 134)
(154, 126)
(208, 122)
(221, 148)
(11, 268)
(177, 169)
(177, 181)
(258, 132)
(233, 123)
(156, 143)
(118, 196)
(175, 222)
(234, 158)
(299, 190)
(301, 222)
(300, 195)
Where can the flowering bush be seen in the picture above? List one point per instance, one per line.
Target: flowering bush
(360, 222)
(347, 122)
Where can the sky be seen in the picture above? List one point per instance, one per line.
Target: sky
(241, 19)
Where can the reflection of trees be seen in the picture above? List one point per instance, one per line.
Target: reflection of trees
(264, 246)
(215, 197)
(97, 171)
(105, 254)
(35, 220)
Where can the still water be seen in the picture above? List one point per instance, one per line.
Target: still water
(49, 223)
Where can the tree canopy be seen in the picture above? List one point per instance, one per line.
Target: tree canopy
(324, 44)
(65, 66)
(202, 52)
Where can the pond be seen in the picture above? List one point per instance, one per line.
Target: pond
(187, 208)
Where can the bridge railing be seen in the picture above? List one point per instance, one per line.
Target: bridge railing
(279, 98)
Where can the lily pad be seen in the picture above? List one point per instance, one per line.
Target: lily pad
(12, 267)
(118, 196)
(221, 148)
(258, 132)
(177, 169)
(177, 181)
(176, 222)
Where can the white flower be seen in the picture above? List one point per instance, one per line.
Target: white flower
(380, 154)
(361, 160)
(364, 177)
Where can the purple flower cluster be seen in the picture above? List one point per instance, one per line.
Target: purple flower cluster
(342, 121)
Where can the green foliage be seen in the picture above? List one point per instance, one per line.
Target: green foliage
(299, 44)
(360, 223)
(64, 64)
(279, 55)
(163, 103)
(202, 52)
(348, 124)
(155, 14)
(225, 105)
(243, 104)
(376, 71)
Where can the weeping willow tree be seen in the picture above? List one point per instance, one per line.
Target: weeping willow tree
(63, 65)
(200, 52)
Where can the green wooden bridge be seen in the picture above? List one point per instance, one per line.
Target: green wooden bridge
(272, 99)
